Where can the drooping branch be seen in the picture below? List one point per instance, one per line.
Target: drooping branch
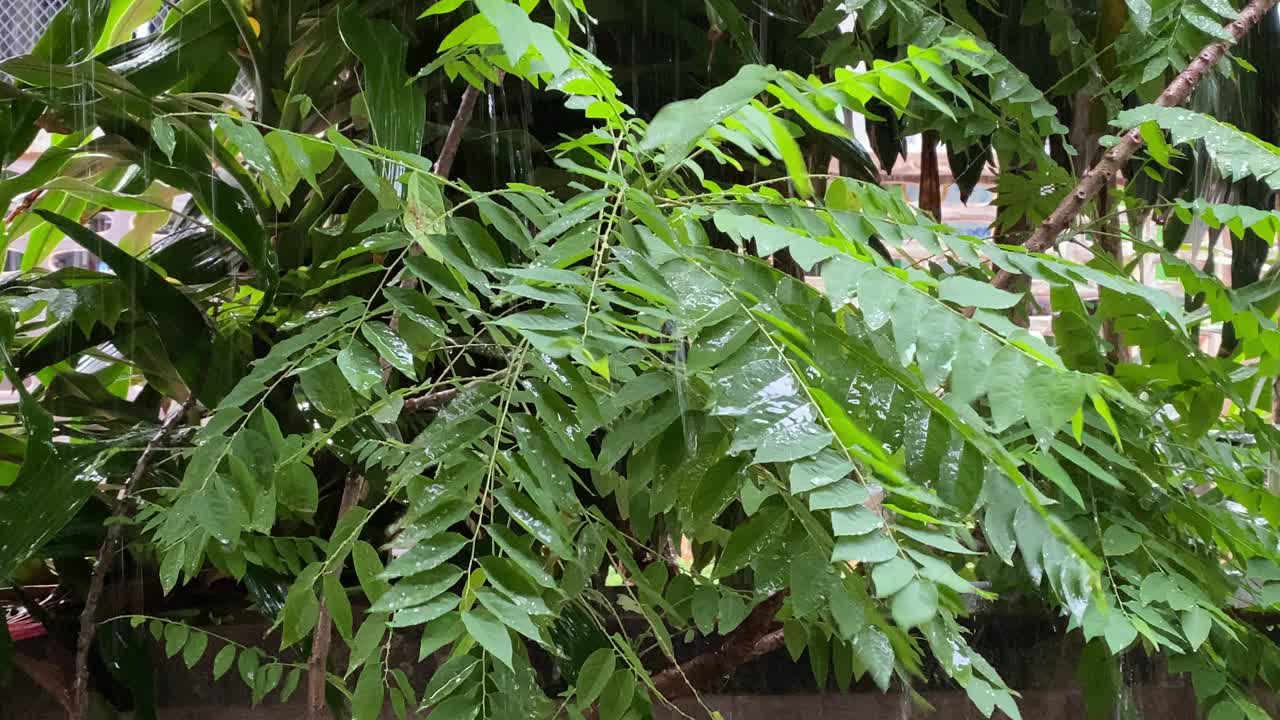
(106, 553)
(1096, 179)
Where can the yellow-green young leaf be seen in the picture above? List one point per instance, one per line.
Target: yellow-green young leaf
(1104, 411)
(792, 157)
(366, 701)
(596, 673)
(441, 7)
(222, 661)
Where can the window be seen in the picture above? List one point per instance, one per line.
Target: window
(100, 223)
(73, 258)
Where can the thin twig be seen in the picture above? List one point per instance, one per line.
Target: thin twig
(1096, 179)
(88, 617)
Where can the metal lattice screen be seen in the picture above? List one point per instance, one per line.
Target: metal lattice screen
(22, 22)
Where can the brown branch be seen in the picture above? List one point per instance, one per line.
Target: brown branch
(443, 166)
(930, 182)
(748, 641)
(318, 663)
(1096, 179)
(25, 205)
(452, 139)
(430, 401)
(88, 617)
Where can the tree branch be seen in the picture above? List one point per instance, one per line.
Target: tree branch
(318, 663)
(88, 617)
(748, 641)
(1096, 179)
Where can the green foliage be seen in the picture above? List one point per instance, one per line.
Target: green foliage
(545, 381)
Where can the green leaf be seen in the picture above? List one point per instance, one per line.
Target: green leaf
(339, 605)
(162, 133)
(1052, 397)
(892, 576)
(328, 390)
(596, 672)
(426, 555)
(222, 661)
(679, 125)
(1006, 382)
(424, 210)
(194, 649)
(449, 677)
(749, 539)
(490, 633)
(360, 367)
(366, 701)
(856, 520)
(220, 512)
(792, 157)
(825, 468)
(1119, 540)
(1119, 632)
(418, 588)
(437, 634)
(876, 653)
(181, 325)
(1196, 624)
(519, 33)
(915, 605)
(397, 108)
(1049, 466)
(972, 293)
(391, 347)
(1235, 153)
(367, 640)
(872, 547)
(175, 637)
